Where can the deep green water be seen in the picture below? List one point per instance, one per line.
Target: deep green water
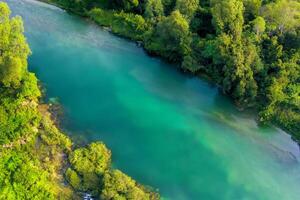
(165, 129)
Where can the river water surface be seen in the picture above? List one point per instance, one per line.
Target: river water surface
(167, 130)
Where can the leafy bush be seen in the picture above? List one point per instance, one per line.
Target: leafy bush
(129, 25)
(117, 186)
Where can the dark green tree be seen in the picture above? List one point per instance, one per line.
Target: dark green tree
(233, 51)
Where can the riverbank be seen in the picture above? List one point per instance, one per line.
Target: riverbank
(137, 28)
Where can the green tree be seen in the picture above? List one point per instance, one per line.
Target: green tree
(90, 164)
(252, 8)
(187, 7)
(168, 6)
(228, 17)
(154, 8)
(233, 51)
(259, 25)
(117, 186)
(127, 5)
(171, 38)
(14, 49)
(95, 158)
(23, 178)
(280, 86)
(73, 178)
(282, 15)
(18, 108)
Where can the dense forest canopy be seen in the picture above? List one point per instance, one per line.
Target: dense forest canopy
(251, 48)
(37, 161)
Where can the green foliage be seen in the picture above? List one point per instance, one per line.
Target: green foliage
(13, 49)
(96, 158)
(126, 5)
(126, 24)
(259, 25)
(228, 17)
(282, 90)
(190, 63)
(82, 6)
(252, 8)
(233, 51)
(129, 25)
(18, 88)
(73, 178)
(22, 178)
(171, 37)
(102, 17)
(282, 15)
(90, 172)
(28, 170)
(168, 6)
(52, 136)
(19, 115)
(202, 23)
(153, 9)
(187, 7)
(29, 88)
(89, 164)
(118, 186)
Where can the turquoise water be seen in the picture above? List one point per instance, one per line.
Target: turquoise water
(173, 132)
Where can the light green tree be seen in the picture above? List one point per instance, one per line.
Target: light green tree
(259, 25)
(96, 158)
(118, 186)
(154, 8)
(282, 15)
(14, 49)
(187, 7)
(228, 17)
(88, 164)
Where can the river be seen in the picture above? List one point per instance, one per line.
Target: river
(166, 129)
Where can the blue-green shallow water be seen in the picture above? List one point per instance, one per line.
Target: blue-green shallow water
(165, 129)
